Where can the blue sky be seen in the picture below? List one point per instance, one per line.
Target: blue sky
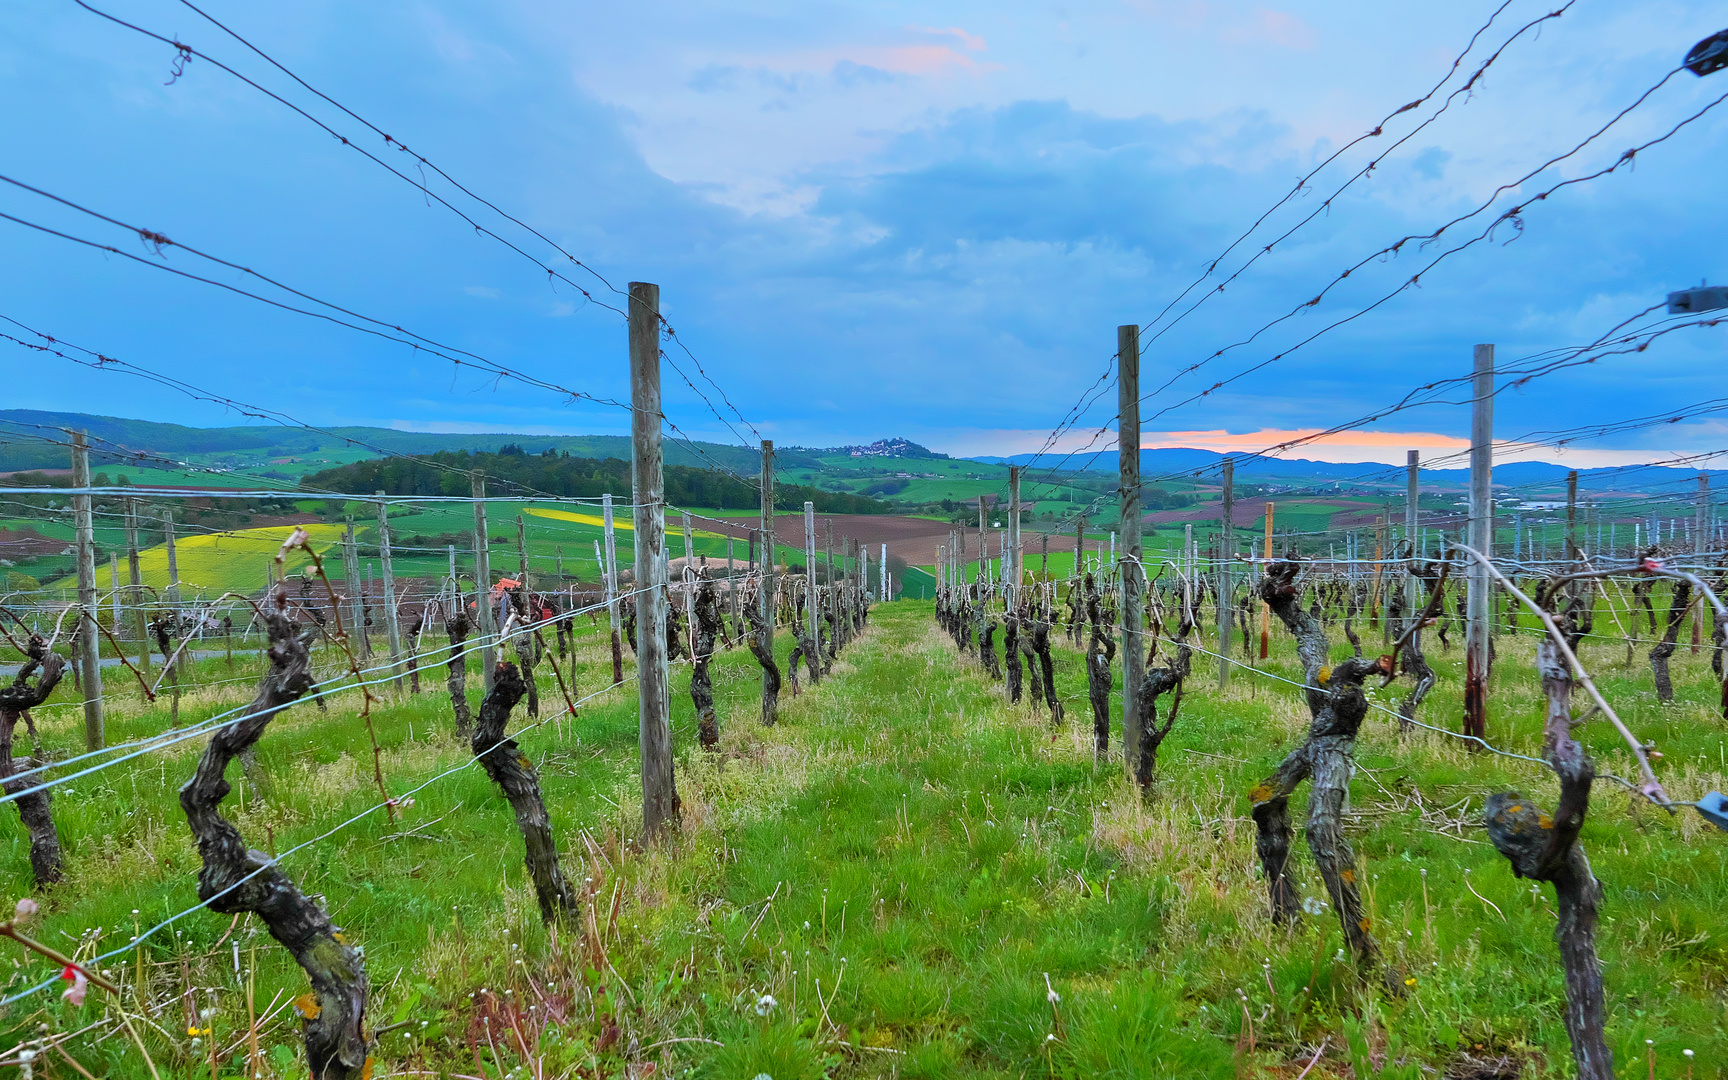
(878, 219)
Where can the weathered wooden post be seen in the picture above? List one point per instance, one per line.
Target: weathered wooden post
(612, 614)
(687, 583)
(1190, 570)
(1700, 546)
(1412, 459)
(1225, 596)
(392, 627)
(1265, 608)
(830, 594)
(1476, 630)
(135, 579)
(887, 586)
(1011, 574)
(171, 600)
(114, 594)
(983, 549)
(1380, 529)
(810, 592)
(767, 529)
(1571, 514)
(648, 484)
(488, 619)
(351, 584)
(171, 592)
(522, 552)
(1132, 580)
(89, 614)
(732, 583)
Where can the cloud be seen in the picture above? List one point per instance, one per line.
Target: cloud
(973, 42)
(921, 60)
(1268, 26)
(847, 73)
(1385, 447)
(935, 249)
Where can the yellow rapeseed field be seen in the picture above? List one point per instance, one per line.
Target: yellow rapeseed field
(215, 563)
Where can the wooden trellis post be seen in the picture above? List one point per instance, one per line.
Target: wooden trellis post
(392, 627)
(1225, 597)
(1011, 575)
(1132, 580)
(648, 489)
(810, 589)
(88, 638)
(135, 579)
(351, 584)
(1700, 546)
(482, 580)
(1265, 608)
(1476, 630)
(1412, 459)
(983, 547)
(688, 581)
(611, 577)
(767, 529)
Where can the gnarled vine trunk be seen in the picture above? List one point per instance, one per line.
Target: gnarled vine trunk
(1547, 849)
(35, 808)
(529, 647)
(1100, 651)
(1662, 650)
(701, 684)
(1041, 647)
(456, 627)
(762, 648)
(1155, 683)
(1337, 704)
(987, 649)
(410, 647)
(1098, 657)
(514, 774)
(234, 879)
(1029, 661)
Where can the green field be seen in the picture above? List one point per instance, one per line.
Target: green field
(560, 546)
(898, 865)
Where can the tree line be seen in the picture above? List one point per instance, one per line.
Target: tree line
(557, 473)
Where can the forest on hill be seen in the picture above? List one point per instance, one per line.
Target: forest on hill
(554, 472)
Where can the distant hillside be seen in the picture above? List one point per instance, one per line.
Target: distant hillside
(259, 442)
(1168, 461)
(513, 471)
(885, 448)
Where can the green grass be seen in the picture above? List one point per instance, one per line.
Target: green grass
(931, 853)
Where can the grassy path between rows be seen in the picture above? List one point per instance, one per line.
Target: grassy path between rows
(906, 877)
